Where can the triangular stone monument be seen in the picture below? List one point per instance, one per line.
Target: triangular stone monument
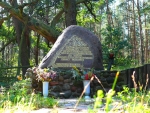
(76, 46)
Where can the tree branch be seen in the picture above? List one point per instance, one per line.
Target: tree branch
(80, 1)
(5, 18)
(7, 44)
(46, 31)
(90, 9)
(57, 17)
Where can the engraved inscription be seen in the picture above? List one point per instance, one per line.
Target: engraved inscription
(75, 53)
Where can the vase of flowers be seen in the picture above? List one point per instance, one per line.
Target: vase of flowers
(45, 75)
(86, 75)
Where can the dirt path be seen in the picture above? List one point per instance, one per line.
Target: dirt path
(69, 106)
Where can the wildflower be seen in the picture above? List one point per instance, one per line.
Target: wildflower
(19, 77)
(117, 74)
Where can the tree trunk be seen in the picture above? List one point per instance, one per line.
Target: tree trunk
(24, 50)
(146, 35)
(23, 42)
(109, 18)
(3, 52)
(146, 41)
(134, 34)
(129, 25)
(70, 12)
(141, 35)
(109, 22)
(36, 50)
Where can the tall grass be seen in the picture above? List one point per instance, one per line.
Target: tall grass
(20, 98)
(129, 100)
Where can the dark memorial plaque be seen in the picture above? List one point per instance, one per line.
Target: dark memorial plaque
(76, 46)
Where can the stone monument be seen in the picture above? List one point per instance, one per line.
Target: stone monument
(76, 46)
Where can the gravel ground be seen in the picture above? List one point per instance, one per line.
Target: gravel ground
(84, 106)
(69, 106)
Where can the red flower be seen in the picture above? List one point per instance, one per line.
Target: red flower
(86, 77)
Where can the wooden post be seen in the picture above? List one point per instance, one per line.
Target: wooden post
(125, 74)
(140, 82)
(136, 75)
(144, 74)
(148, 72)
(127, 77)
(130, 73)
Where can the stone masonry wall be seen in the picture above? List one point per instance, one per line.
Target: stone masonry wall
(65, 86)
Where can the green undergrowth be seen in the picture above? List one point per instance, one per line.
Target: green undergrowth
(126, 101)
(20, 98)
(129, 100)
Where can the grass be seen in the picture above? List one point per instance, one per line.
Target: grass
(20, 98)
(135, 100)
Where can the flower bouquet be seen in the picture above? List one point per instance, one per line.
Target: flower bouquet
(86, 76)
(82, 74)
(46, 74)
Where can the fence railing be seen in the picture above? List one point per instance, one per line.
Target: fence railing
(8, 75)
(10, 71)
(141, 75)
